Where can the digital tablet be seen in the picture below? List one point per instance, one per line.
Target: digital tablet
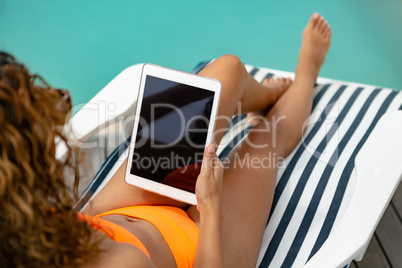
(174, 121)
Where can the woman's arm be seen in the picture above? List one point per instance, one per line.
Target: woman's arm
(208, 190)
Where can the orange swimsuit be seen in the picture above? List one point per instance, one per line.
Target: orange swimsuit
(178, 230)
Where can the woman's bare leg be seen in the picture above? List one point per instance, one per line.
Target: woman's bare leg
(240, 91)
(248, 191)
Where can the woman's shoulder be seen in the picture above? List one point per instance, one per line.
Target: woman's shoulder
(121, 255)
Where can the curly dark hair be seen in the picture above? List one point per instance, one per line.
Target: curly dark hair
(38, 227)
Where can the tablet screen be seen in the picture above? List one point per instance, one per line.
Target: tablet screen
(171, 133)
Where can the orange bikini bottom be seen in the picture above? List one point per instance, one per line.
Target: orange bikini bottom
(178, 230)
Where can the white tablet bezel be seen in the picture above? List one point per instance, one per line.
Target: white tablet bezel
(183, 78)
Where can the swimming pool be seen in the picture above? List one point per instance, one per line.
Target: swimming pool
(82, 45)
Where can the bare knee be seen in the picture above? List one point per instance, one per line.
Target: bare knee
(229, 70)
(233, 65)
(230, 60)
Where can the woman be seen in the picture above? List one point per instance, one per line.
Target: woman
(41, 229)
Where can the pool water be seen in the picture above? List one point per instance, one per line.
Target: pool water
(82, 45)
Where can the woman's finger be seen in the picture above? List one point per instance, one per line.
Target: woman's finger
(218, 168)
(216, 164)
(207, 165)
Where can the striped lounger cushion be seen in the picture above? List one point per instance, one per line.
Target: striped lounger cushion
(316, 182)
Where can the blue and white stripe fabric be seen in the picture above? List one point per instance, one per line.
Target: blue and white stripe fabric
(316, 183)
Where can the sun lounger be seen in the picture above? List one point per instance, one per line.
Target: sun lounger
(333, 188)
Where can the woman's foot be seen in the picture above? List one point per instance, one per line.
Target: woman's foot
(276, 87)
(314, 48)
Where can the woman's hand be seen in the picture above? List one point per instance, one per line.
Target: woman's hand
(209, 183)
(208, 190)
